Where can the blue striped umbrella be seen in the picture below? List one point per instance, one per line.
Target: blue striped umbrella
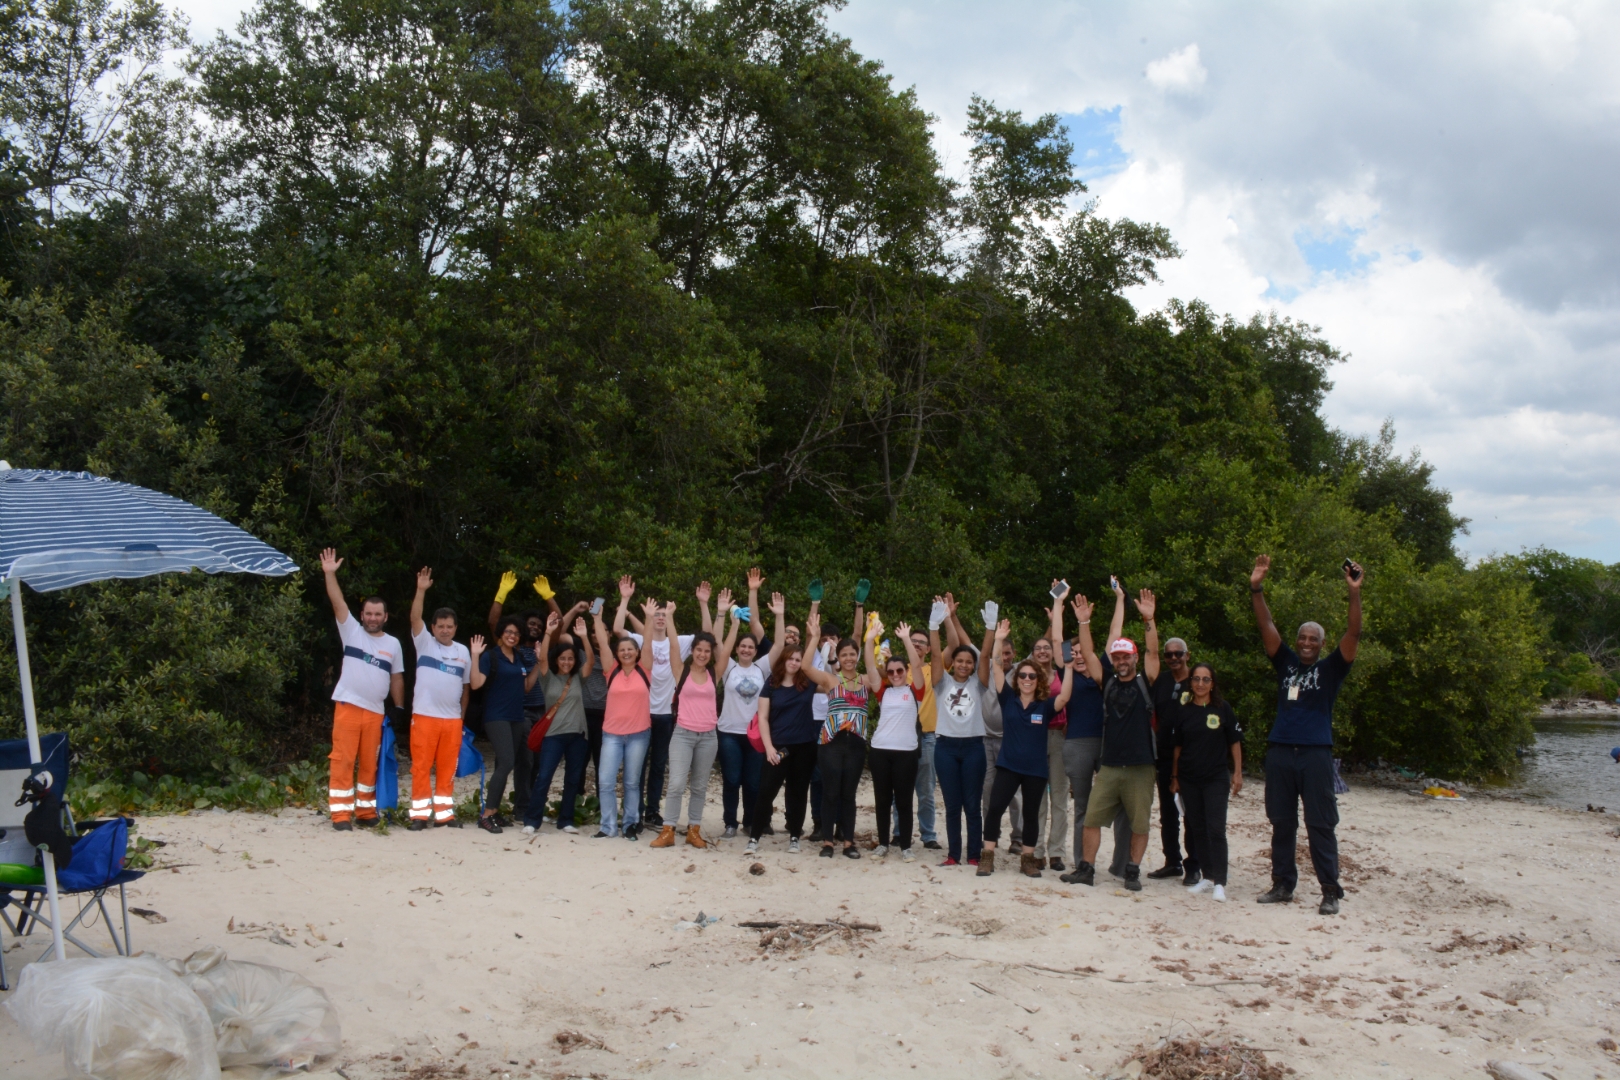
(59, 529)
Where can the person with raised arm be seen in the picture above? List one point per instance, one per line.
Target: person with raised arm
(1053, 815)
(565, 664)
(510, 671)
(655, 635)
(1027, 707)
(438, 703)
(897, 746)
(373, 671)
(959, 744)
(843, 734)
(1126, 775)
(693, 748)
(744, 673)
(1168, 690)
(1299, 754)
(626, 721)
(1082, 747)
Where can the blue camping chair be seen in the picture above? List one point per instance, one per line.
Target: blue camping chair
(97, 866)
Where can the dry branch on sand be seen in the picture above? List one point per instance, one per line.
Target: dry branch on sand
(1194, 1059)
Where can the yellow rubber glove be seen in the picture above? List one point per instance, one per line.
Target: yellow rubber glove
(508, 583)
(543, 587)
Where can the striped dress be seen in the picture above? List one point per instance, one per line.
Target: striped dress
(846, 710)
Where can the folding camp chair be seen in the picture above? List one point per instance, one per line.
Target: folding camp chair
(96, 868)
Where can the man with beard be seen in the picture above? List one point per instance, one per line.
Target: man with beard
(372, 672)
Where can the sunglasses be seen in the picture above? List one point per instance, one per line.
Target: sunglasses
(1026, 675)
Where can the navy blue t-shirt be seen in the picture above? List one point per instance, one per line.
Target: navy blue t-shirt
(1023, 733)
(503, 686)
(536, 698)
(1306, 718)
(792, 721)
(1085, 707)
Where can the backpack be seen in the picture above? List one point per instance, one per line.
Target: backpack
(1140, 682)
(614, 674)
(675, 701)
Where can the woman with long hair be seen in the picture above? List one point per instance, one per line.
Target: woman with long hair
(567, 738)
(842, 749)
(896, 748)
(509, 671)
(743, 672)
(693, 746)
(788, 728)
(626, 727)
(959, 751)
(1207, 769)
(1027, 707)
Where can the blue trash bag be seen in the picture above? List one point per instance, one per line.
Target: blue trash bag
(470, 761)
(387, 770)
(98, 857)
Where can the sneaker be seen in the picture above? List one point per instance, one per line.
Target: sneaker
(342, 826)
(932, 845)
(603, 834)
(417, 825)
(987, 863)
(632, 830)
(653, 818)
(1083, 874)
(569, 829)
(1328, 906)
(1168, 870)
(1133, 877)
(1279, 894)
(950, 862)
(1220, 894)
(730, 833)
(880, 851)
(751, 847)
(852, 852)
(490, 825)
(1055, 864)
(793, 845)
(907, 856)
(1193, 877)
(529, 830)
(1201, 886)
(826, 851)
(502, 820)
(974, 862)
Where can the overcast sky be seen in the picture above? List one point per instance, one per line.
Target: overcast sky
(1432, 185)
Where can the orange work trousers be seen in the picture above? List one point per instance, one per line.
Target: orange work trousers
(356, 736)
(435, 745)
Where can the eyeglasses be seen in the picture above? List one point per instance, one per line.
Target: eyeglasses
(1022, 675)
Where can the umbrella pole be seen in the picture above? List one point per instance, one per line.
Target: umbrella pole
(25, 679)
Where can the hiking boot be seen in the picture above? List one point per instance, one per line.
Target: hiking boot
(1168, 870)
(1055, 863)
(342, 826)
(1279, 894)
(665, 837)
(1193, 877)
(1328, 906)
(367, 822)
(417, 825)
(1084, 874)
(987, 862)
(1030, 865)
(490, 825)
(1015, 848)
(1133, 877)
(694, 837)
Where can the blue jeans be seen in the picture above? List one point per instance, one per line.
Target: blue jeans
(573, 749)
(629, 751)
(925, 793)
(657, 765)
(739, 772)
(961, 766)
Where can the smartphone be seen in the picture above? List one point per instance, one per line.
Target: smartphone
(1059, 589)
(596, 605)
(1350, 568)
(1113, 582)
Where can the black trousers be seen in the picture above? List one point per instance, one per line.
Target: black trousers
(594, 718)
(1170, 823)
(894, 782)
(798, 762)
(1205, 801)
(1031, 788)
(841, 762)
(657, 767)
(1298, 775)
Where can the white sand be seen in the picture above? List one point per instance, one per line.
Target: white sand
(1473, 930)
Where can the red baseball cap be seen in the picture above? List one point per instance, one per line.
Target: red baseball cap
(1124, 645)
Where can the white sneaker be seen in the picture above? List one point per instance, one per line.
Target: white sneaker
(907, 856)
(528, 830)
(880, 851)
(1203, 886)
(793, 845)
(569, 829)
(753, 846)
(731, 831)
(1220, 894)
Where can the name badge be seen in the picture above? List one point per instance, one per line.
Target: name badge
(1035, 718)
(1293, 693)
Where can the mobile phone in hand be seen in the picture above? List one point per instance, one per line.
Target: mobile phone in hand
(1350, 568)
(1059, 589)
(596, 606)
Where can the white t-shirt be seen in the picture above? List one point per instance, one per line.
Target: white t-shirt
(961, 707)
(818, 703)
(369, 665)
(441, 672)
(743, 685)
(897, 719)
(663, 672)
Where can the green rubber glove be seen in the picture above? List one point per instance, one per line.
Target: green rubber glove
(815, 590)
(863, 589)
(508, 583)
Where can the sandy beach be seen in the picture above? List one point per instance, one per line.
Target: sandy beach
(1472, 930)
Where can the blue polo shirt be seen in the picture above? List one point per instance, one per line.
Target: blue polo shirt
(1023, 734)
(503, 688)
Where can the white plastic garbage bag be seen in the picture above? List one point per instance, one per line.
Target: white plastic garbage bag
(262, 1016)
(116, 1018)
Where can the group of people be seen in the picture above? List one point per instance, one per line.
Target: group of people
(809, 710)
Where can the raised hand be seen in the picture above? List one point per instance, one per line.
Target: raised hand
(579, 629)
(812, 624)
(424, 579)
(704, 591)
(1113, 583)
(476, 645)
(756, 578)
(723, 601)
(508, 583)
(903, 629)
(1082, 607)
(874, 627)
(1146, 604)
(330, 561)
(1262, 567)
(648, 607)
(669, 609)
(627, 587)
(1060, 589)
(542, 586)
(553, 621)
(950, 604)
(1353, 575)
(1003, 628)
(779, 605)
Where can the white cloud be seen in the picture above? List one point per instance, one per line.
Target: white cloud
(1180, 70)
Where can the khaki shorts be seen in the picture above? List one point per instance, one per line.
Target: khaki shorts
(1116, 786)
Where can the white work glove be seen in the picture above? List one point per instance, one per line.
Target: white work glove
(990, 613)
(936, 616)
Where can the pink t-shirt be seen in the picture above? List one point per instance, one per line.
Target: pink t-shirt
(697, 711)
(628, 709)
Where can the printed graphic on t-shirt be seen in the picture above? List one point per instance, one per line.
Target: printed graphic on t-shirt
(959, 702)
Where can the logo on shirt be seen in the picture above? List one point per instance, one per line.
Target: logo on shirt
(1300, 679)
(1212, 721)
(958, 703)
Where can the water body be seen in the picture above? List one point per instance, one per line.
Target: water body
(1570, 763)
